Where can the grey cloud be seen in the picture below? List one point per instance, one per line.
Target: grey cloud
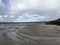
(47, 8)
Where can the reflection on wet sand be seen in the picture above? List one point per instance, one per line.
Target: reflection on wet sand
(29, 34)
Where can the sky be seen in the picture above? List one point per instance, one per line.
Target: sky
(31, 10)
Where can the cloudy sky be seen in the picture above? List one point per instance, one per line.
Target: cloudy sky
(31, 10)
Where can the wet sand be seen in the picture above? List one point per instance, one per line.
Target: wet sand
(29, 35)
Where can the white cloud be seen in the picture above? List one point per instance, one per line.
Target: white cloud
(35, 6)
(44, 4)
(1, 3)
